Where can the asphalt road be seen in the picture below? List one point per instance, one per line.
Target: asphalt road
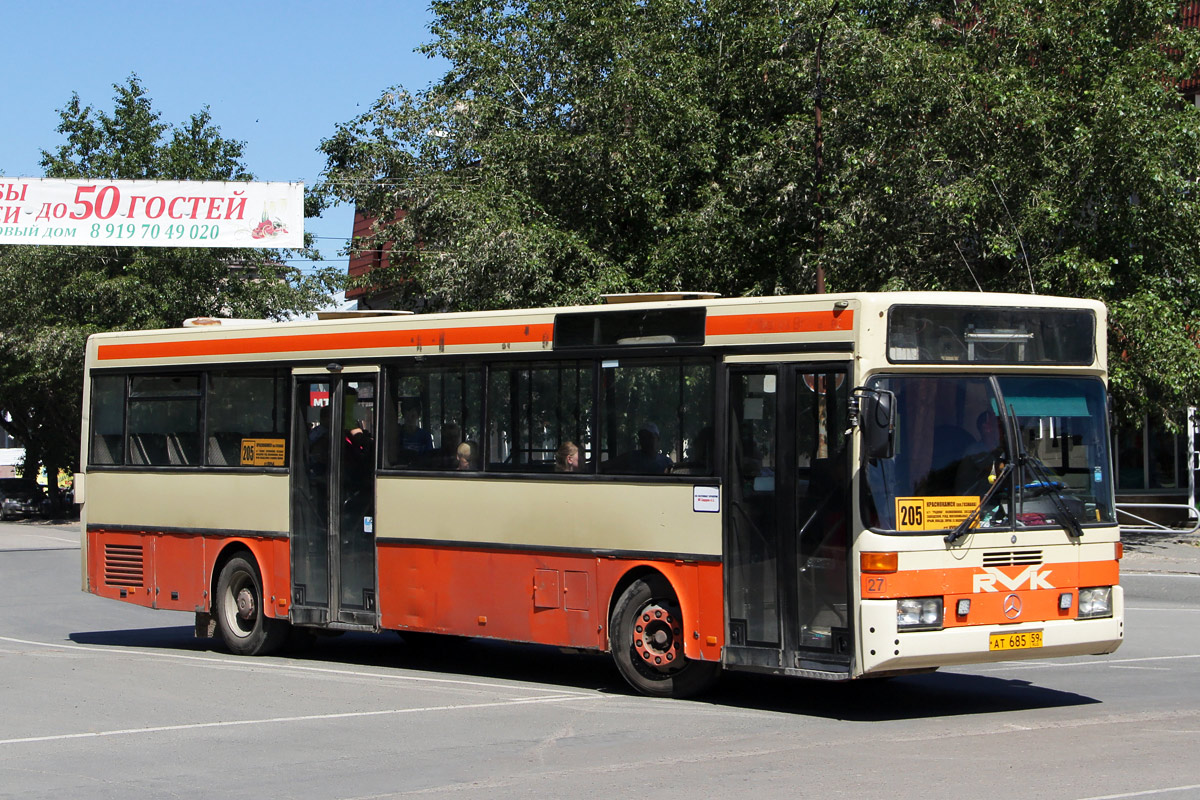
(100, 699)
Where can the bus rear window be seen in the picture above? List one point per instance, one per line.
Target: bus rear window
(940, 335)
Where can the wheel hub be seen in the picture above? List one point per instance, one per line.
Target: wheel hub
(657, 637)
(245, 604)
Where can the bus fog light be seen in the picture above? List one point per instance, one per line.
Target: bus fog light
(1095, 601)
(1064, 601)
(964, 607)
(919, 613)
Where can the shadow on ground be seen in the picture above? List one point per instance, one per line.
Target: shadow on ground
(913, 697)
(1158, 540)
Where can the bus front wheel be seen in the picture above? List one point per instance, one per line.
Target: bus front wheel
(246, 630)
(647, 642)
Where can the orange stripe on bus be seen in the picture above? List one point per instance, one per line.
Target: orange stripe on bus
(988, 609)
(310, 342)
(792, 322)
(962, 580)
(1038, 586)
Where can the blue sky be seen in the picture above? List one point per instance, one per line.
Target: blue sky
(278, 76)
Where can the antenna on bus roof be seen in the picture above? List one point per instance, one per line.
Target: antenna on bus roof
(655, 297)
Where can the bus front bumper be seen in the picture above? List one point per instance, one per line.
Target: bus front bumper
(886, 649)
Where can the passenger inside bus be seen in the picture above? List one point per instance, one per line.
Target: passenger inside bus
(446, 455)
(414, 440)
(467, 456)
(567, 458)
(358, 446)
(647, 459)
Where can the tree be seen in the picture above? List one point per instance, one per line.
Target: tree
(53, 298)
(744, 146)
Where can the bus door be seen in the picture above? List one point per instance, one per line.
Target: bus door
(787, 516)
(333, 498)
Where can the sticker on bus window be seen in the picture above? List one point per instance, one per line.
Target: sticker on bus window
(263, 453)
(932, 513)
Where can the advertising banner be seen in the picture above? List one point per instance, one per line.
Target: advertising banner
(151, 213)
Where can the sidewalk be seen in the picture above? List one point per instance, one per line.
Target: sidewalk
(1161, 552)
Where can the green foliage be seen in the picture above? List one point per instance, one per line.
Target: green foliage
(575, 148)
(53, 298)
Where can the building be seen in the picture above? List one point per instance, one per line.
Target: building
(12, 455)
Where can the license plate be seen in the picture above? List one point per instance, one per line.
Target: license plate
(1015, 641)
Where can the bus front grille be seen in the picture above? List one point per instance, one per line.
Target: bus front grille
(123, 565)
(1012, 558)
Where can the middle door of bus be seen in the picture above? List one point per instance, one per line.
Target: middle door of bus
(333, 497)
(787, 517)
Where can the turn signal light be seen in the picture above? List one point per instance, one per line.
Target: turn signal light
(879, 562)
(1120, 550)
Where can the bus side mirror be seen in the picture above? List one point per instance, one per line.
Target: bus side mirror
(877, 420)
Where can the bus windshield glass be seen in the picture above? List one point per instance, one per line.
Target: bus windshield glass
(1041, 438)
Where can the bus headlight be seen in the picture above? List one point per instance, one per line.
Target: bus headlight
(919, 613)
(1095, 601)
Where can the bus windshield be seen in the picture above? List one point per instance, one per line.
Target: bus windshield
(956, 436)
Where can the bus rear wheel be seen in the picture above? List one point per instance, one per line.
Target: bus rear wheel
(647, 642)
(246, 630)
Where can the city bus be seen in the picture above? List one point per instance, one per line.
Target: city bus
(832, 486)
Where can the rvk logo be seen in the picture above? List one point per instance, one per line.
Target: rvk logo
(987, 580)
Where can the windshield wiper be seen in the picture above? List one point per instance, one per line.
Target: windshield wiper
(1054, 490)
(965, 525)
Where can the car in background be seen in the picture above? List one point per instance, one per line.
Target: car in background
(20, 498)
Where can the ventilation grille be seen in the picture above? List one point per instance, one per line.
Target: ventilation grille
(123, 565)
(1012, 558)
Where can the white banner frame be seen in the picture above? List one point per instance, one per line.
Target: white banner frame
(54, 211)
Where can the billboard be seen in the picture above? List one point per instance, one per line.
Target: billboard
(151, 213)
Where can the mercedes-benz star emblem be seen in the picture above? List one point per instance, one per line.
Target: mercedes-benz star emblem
(1012, 606)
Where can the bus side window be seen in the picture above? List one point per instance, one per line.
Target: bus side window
(536, 409)
(242, 405)
(656, 415)
(432, 411)
(163, 406)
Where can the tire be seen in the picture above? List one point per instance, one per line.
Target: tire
(646, 633)
(238, 606)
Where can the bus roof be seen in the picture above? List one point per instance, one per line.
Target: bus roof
(783, 320)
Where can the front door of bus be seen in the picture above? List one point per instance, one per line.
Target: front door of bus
(787, 516)
(333, 499)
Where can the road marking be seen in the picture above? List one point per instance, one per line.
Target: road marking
(55, 549)
(74, 541)
(1097, 663)
(302, 718)
(267, 666)
(1141, 608)
(1145, 793)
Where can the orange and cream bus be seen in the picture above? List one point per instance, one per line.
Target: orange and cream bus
(830, 486)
